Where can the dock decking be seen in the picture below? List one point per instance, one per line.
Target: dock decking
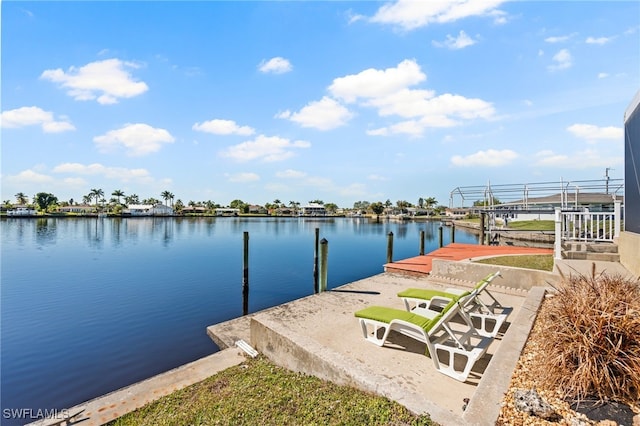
(421, 265)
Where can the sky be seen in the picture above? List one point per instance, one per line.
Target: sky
(312, 100)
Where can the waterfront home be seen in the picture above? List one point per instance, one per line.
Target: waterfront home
(313, 209)
(457, 212)
(256, 209)
(77, 208)
(224, 211)
(148, 210)
(543, 208)
(282, 211)
(21, 211)
(194, 210)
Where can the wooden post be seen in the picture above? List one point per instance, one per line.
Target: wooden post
(453, 232)
(245, 275)
(440, 239)
(421, 243)
(482, 219)
(390, 247)
(316, 247)
(324, 254)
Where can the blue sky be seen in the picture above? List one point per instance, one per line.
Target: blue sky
(298, 101)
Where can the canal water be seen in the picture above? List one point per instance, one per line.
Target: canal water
(91, 305)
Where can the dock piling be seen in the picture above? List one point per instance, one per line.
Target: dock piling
(324, 254)
(440, 238)
(390, 247)
(422, 243)
(315, 261)
(245, 274)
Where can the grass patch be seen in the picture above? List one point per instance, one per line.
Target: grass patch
(259, 392)
(520, 225)
(542, 262)
(532, 225)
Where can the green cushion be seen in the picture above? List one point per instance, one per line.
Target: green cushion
(428, 294)
(386, 315)
(482, 281)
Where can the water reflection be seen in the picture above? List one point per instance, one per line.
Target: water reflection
(128, 291)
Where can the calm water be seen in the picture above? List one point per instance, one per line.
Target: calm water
(91, 305)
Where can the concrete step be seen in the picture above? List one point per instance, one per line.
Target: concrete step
(585, 255)
(602, 247)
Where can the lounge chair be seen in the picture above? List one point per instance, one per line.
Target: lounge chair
(433, 329)
(489, 316)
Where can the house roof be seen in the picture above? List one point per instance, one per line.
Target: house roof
(570, 198)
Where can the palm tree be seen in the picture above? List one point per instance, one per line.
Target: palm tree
(166, 195)
(132, 199)
(21, 198)
(118, 193)
(294, 205)
(97, 194)
(430, 202)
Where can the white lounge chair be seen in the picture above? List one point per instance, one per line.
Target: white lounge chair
(489, 315)
(433, 329)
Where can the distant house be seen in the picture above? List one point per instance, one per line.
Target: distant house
(21, 211)
(255, 209)
(225, 211)
(542, 208)
(194, 210)
(313, 209)
(457, 213)
(148, 210)
(77, 208)
(283, 211)
(417, 211)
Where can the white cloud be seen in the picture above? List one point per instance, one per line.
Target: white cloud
(562, 60)
(488, 158)
(387, 91)
(592, 133)
(33, 116)
(277, 65)
(411, 14)
(598, 40)
(243, 177)
(354, 190)
(137, 139)
(28, 177)
(266, 148)
(410, 127)
(373, 83)
(223, 127)
(459, 42)
(559, 39)
(603, 75)
(106, 81)
(325, 114)
(291, 174)
(577, 160)
(375, 177)
(96, 169)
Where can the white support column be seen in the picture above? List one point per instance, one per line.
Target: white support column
(617, 212)
(557, 247)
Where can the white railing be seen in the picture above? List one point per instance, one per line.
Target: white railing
(586, 226)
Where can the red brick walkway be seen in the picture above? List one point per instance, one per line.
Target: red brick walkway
(457, 251)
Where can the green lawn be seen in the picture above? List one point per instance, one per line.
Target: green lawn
(259, 393)
(542, 262)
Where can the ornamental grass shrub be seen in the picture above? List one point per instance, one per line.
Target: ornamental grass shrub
(592, 344)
